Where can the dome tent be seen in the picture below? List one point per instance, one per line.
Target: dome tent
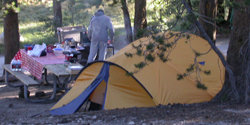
(106, 82)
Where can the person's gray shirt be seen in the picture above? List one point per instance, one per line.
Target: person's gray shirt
(101, 28)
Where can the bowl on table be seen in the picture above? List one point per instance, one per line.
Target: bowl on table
(58, 51)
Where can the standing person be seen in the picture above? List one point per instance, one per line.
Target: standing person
(99, 31)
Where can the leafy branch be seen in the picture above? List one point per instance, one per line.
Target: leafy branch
(11, 7)
(156, 46)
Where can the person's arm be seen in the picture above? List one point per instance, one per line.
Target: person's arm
(111, 31)
(89, 33)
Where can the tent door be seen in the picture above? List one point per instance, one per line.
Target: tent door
(97, 97)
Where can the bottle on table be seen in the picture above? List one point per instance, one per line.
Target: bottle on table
(15, 65)
(19, 65)
(29, 50)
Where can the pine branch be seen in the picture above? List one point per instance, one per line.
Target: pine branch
(226, 65)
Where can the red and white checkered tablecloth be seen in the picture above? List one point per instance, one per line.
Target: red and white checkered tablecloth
(35, 65)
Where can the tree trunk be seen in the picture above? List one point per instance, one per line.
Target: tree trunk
(247, 72)
(238, 50)
(140, 20)
(57, 11)
(11, 34)
(127, 21)
(231, 80)
(208, 11)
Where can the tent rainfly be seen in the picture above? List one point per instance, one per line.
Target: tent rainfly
(106, 82)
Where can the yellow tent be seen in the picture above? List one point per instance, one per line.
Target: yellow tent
(106, 82)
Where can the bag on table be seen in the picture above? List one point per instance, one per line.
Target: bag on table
(38, 50)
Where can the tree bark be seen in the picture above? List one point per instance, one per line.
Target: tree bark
(246, 75)
(238, 50)
(127, 21)
(231, 79)
(57, 11)
(11, 34)
(140, 20)
(208, 11)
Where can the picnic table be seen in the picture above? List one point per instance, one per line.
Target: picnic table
(59, 70)
(37, 66)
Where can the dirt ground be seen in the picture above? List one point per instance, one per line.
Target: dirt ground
(16, 110)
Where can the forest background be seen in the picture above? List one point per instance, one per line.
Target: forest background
(36, 18)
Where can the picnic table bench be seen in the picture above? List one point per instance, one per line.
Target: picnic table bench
(59, 71)
(27, 81)
(37, 67)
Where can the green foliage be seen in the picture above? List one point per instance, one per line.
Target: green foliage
(162, 57)
(120, 31)
(128, 54)
(150, 58)
(247, 2)
(188, 37)
(140, 65)
(200, 85)
(219, 20)
(139, 52)
(129, 74)
(162, 48)
(166, 14)
(181, 76)
(169, 45)
(11, 7)
(191, 68)
(31, 13)
(79, 12)
(195, 5)
(139, 46)
(223, 30)
(150, 47)
(159, 39)
(141, 33)
(207, 72)
(37, 33)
